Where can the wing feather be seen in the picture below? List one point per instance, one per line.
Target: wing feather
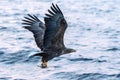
(33, 24)
(55, 28)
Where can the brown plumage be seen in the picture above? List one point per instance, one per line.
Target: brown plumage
(49, 37)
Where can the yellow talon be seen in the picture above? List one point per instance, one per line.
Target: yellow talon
(44, 64)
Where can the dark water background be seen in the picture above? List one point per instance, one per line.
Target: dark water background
(94, 31)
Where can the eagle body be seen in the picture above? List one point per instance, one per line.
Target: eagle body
(49, 36)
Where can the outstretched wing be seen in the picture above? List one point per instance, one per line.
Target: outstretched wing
(55, 28)
(33, 24)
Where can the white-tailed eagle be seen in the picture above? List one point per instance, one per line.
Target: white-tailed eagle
(49, 37)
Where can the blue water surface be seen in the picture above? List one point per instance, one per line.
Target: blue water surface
(93, 30)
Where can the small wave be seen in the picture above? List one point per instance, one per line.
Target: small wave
(87, 59)
(81, 59)
(85, 76)
(18, 57)
(1, 52)
(3, 28)
(113, 49)
(5, 78)
(9, 78)
(101, 61)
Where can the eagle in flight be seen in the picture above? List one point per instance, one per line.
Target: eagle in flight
(49, 36)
